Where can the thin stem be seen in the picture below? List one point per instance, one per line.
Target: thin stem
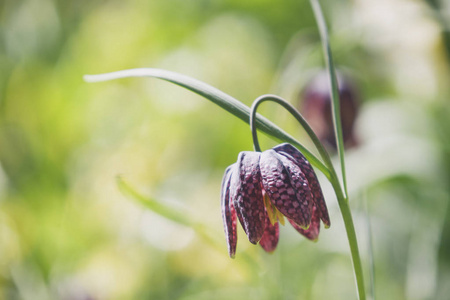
(342, 195)
(352, 241)
(323, 153)
(334, 92)
(253, 109)
(342, 200)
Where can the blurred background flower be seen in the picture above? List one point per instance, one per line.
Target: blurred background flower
(66, 230)
(316, 108)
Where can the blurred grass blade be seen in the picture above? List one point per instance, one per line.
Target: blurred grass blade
(334, 88)
(218, 97)
(152, 204)
(166, 211)
(169, 212)
(369, 245)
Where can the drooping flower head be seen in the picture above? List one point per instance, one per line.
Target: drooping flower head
(262, 188)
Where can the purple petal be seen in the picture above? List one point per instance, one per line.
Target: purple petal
(313, 231)
(246, 193)
(269, 240)
(286, 186)
(297, 157)
(228, 212)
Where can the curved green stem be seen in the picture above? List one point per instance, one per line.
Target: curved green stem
(293, 111)
(342, 199)
(218, 97)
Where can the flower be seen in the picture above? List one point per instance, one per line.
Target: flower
(316, 107)
(262, 188)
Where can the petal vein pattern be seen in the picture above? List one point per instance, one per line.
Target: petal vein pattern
(312, 233)
(288, 191)
(247, 197)
(290, 152)
(261, 189)
(269, 240)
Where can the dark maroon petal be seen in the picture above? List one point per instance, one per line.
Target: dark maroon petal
(313, 231)
(246, 194)
(228, 212)
(293, 154)
(286, 186)
(269, 240)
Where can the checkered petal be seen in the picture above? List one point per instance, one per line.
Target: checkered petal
(246, 194)
(313, 231)
(269, 240)
(290, 152)
(228, 212)
(287, 187)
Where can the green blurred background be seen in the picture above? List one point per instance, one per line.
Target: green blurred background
(68, 232)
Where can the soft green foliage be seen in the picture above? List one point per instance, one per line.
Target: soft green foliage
(68, 232)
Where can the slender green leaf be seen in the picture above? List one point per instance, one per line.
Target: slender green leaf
(218, 97)
(169, 212)
(152, 204)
